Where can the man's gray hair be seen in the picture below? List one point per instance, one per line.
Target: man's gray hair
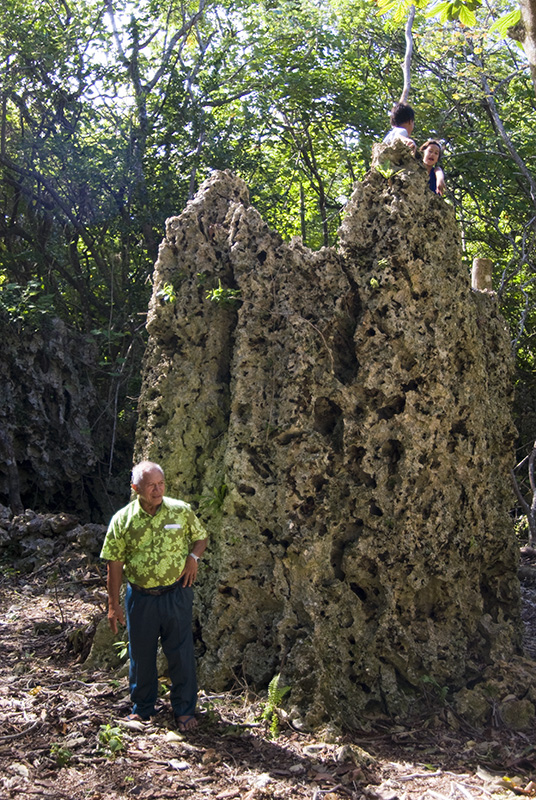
(141, 469)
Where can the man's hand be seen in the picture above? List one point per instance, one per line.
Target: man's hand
(115, 609)
(115, 615)
(189, 573)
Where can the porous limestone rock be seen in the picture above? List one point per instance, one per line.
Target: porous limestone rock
(47, 404)
(345, 426)
(504, 695)
(30, 541)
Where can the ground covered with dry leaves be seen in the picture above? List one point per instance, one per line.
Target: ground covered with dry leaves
(63, 732)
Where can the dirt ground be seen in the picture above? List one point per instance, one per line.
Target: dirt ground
(63, 733)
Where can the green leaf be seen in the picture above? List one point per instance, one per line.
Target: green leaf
(505, 22)
(464, 11)
(440, 8)
(466, 16)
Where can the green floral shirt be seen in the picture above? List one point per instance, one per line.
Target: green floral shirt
(153, 549)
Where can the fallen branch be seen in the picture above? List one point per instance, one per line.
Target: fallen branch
(21, 733)
(463, 790)
(415, 775)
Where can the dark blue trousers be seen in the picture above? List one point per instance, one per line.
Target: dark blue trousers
(168, 617)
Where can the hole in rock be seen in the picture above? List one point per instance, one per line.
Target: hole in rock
(329, 420)
(349, 534)
(67, 399)
(396, 406)
(260, 468)
(364, 478)
(228, 590)
(319, 481)
(284, 543)
(407, 362)
(243, 410)
(375, 510)
(43, 361)
(360, 476)
(248, 490)
(392, 451)
(361, 593)
(356, 454)
(345, 363)
(459, 429)
(307, 507)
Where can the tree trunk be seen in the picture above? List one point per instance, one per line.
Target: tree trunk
(528, 15)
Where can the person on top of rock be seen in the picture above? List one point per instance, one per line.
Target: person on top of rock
(402, 122)
(156, 542)
(431, 153)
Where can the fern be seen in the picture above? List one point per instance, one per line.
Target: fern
(276, 694)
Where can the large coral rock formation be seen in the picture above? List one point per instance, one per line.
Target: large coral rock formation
(355, 405)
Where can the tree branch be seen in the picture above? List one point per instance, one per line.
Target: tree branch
(493, 110)
(406, 67)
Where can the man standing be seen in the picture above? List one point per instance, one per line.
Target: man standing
(156, 541)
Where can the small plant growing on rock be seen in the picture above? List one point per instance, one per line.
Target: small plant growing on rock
(214, 500)
(167, 293)
(223, 296)
(433, 691)
(385, 169)
(271, 710)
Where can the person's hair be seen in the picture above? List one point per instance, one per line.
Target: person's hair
(400, 114)
(141, 469)
(427, 143)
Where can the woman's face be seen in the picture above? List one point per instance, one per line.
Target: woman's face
(431, 155)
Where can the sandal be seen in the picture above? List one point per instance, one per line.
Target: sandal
(186, 722)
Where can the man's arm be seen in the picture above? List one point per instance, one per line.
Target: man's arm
(410, 143)
(189, 573)
(115, 578)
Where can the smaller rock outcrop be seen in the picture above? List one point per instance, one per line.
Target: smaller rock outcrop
(31, 540)
(46, 405)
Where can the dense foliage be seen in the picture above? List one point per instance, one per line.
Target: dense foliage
(112, 114)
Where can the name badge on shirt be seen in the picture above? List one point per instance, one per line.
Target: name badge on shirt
(173, 527)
